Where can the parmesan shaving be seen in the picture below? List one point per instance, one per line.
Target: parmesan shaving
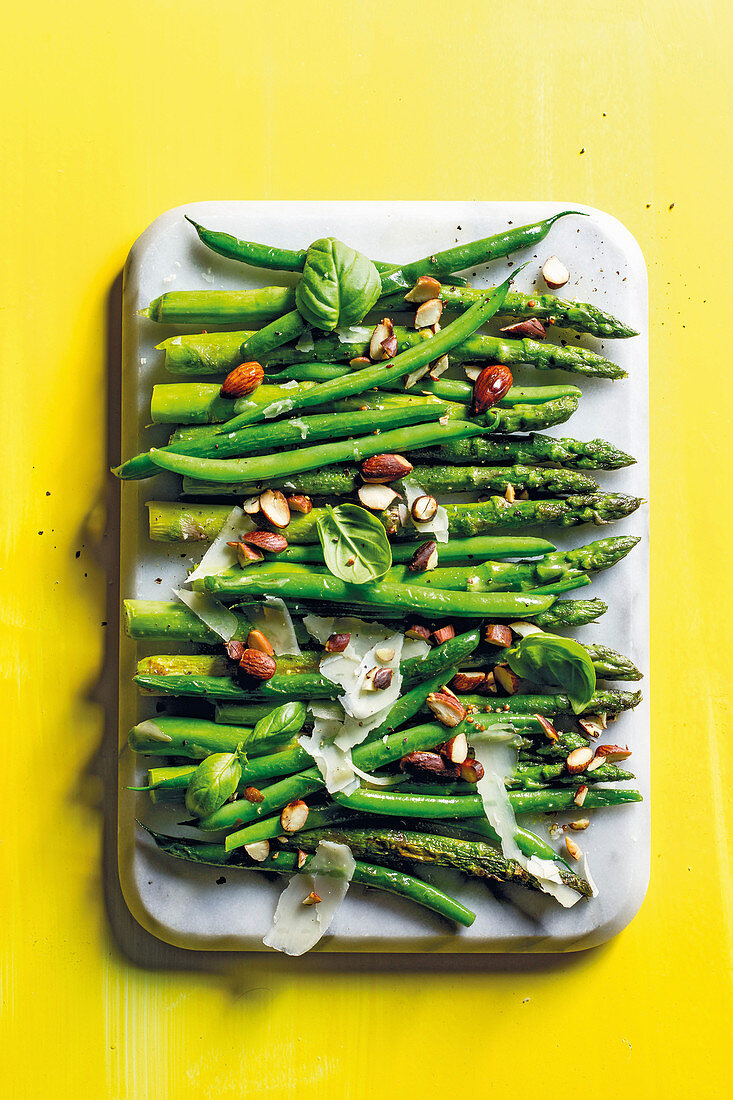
(296, 927)
(277, 407)
(219, 556)
(333, 762)
(305, 343)
(301, 424)
(438, 525)
(353, 334)
(211, 612)
(273, 619)
(379, 780)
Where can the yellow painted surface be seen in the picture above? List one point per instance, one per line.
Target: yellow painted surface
(111, 114)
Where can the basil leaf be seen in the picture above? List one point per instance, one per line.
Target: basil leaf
(355, 544)
(549, 659)
(280, 724)
(214, 780)
(338, 287)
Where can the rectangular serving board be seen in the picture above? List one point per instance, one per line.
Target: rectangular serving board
(182, 903)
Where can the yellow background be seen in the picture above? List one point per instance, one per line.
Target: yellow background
(111, 114)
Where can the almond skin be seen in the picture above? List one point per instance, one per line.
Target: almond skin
(467, 682)
(446, 708)
(531, 327)
(496, 634)
(242, 381)
(337, 643)
(550, 732)
(491, 386)
(381, 469)
(612, 753)
(235, 650)
(429, 765)
(252, 794)
(443, 634)
(266, 540)
(261, 666)
(299, 502)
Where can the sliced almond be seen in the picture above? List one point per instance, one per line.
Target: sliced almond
(428, 765)
(425, 558)
(251, 506)
(382, 332)
(312, 899)
(509, 493)
(581, 824)
(507, 679)
(424, 289)
(274, 508)
(302, 857)
(472, 372)
(299, 502)
(468, 682)
(418, 631)
(549, 730)
(424, 508)
(443, 634)
(578, 760)
(337, 643)
(389, 347)
(271, 541)
(613, 753)
(471, 770)
(385, 655)
(381, 469)
(439, 367)
(246, 555)
(257, 640)
(591, 725)
(235, 650)
(359, 362)
(580, 795)
(429, 313)
(596, 762)
(498, 634)
(555, 273)
(294, 816)
(525, 629)
(573, 848)
(378, 679)
(259, 850)
(489, 685)
(446, 708)
(530, 326)
(376, 498)
(456, 750)
(415, 376)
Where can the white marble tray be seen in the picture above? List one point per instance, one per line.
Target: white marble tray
(182, 903)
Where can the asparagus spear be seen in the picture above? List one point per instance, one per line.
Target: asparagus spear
(220, 352)
(366, 874)
(176, 522)
(606, 702)
(594, 455)
(344, 480)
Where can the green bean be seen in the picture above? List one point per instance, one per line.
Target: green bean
(470, 805)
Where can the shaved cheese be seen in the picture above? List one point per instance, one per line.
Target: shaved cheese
(353, 334)
(301, 424)
(296, 927)
(414, 647)
(151, 731)
(273, 619)
(499, 761)
(219, 556)
(438, 525)
(305, 343)
(525, 629)
(333, 762)
(379, 780)
(211, 612)
(291, 385)
(277, 407)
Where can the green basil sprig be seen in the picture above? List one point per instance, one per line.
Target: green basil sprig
(280, 724)
(338, 287)
(215, 779)
(549, 659)
(355, 544)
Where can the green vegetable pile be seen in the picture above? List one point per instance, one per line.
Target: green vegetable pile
(341, 436)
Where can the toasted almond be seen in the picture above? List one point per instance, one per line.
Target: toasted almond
(489, 685)
(242, 381)
(429, 313)
(596, 762)
(294, 816)
(446, 708)
(428, 765)
(384, 654)
(377, 498)
(491, 386)
(337, 643)
(424, 508)
(415, 376)
(382, 332)
(234, 650)
(360, 361)
(498, 634)
(580, 795)
(312, 899)
(525, 629)
(439, 367)
(468, 682)
(266, 540)
(507, 679)
(549, 730)
(444, 633)
(299, 502)
(257, 640)
(455, 750)
(418, 631)
(302, 857)
(253, 794)
(509, 493)
(377, 679)
(246, 555)
(259, 850)
(425, 558)
(274, 508)
(531, 327)
(592, 726)
(424, 289)
(581, 824)
(381, 469)
(555, 273)
(612, 753)
(573, 848)
(389, 347)
(578, 760)
(251, 506)
(261, 666)
(471, 770)
(472, 372)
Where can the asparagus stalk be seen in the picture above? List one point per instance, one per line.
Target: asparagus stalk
(605, 702)
(176, 522)
(594, 455)
(344, 480)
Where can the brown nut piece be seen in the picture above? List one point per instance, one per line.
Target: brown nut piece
(252, 794)
(429, 313)
(382, 332)
(337, 643)
(467, 682)
(261, 666)
(491, 386)
(274, 508)
(425, 558)
(580, 795)
(246, 555)
(578, 760)
(266, 540)
(573, 848)
(424, 289)
(424, 508)
(389, 347)
(381, 469)
(257, 640)
(242, 381)
(507, 679)
(312, 899)
(455, 751)
(429, 766)
(498, 634)
(259, 850)
(489, 685)
(418, 631)
(294, 816)
(235, 650)
(471, 770)
(531, 327)
(299, 502)
(555, 273)
(360, 361)
(377, 498)
(302, 857)
(446, 708)
(377, 679)
(612, 753)
(251, 506)
(549, 730)
(443, 634)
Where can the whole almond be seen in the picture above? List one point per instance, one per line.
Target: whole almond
(467, 682)
(491, 386)
(257, 640)
(429, 765)
(531, 327)
(261, 666)
(242, 381)
(299, 502)
(266, 540)
(274, 508)
(337, 643)
(446, 708)
(381, 469)
(424, 289)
